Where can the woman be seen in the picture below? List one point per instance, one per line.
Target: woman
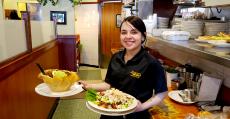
(134, 71)
(14, 15)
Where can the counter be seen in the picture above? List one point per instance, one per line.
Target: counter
(212, 60)
(170, 109)
(218, 55)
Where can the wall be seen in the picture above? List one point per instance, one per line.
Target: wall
(87, 26)
(10, 4)
(63, 5)
(1, 10)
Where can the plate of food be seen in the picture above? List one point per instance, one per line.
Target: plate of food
(108, 113)
(221, 37)
(200, 40)
(58, 83)
(44, 90)
(111, 101)
(182, 96)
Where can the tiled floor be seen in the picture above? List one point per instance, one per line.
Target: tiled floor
(74, 107)
(103, 71)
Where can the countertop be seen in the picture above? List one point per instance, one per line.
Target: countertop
(170, 109)
(220, 55)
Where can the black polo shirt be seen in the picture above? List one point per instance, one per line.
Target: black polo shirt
(138, 77)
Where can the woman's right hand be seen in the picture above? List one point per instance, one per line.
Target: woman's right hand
(84, 84)
(96, 86)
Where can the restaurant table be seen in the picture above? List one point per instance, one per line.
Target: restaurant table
(170, 109)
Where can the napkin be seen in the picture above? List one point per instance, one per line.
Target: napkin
(209, 88)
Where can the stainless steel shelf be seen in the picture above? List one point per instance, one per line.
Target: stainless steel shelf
(218, 55)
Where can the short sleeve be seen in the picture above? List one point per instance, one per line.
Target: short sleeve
(158, 77)
(109, 71)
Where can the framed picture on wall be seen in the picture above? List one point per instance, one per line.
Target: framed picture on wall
(118, 20)
(59, 16)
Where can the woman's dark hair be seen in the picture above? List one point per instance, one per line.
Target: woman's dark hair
(137, 23)
(14, 15)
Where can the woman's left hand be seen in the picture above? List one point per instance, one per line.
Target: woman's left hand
(139, 106)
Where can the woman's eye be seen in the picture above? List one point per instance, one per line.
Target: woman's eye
(123, 33)
(133, 32)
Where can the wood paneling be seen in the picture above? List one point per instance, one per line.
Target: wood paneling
(11, 65)
(67, 53)
(110, 34)
(18, 99)
(26, 18)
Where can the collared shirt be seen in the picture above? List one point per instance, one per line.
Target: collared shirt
(139, 77)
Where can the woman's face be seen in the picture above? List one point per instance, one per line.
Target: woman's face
(130, 37)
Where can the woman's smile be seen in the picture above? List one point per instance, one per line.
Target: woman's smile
(129, 42)
(130, 37)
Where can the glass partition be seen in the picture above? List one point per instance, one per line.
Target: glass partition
(42, 32)
(12, 38)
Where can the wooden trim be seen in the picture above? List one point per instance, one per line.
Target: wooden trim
(89, 65)
(12, 65)
(26, 18)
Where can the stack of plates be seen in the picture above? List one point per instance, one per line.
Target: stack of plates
(150, 25)
(162, 22)
(229, 27)
(212, 28)
(176, 23)
(194, 27)
(111, 112)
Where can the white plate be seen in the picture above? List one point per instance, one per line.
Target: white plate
(132, 106)
(44, 90)
(219, 44)
(202, 41)
(108, 113)
(174, 95)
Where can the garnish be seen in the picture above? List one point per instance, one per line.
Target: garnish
(91, 95)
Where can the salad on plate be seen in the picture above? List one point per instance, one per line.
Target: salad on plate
(110, 100)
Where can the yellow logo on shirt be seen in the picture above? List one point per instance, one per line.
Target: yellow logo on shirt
(135, 74)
